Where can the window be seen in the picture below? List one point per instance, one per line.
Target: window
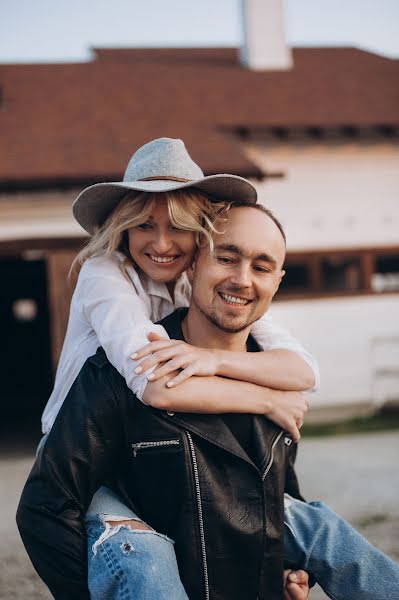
(340, 272)
(386, 273)
(297, 278)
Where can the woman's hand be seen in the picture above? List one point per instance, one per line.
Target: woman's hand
(296, 585)
(288, 410)
(285, 408)
(173, 355)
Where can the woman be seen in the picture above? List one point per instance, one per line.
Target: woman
(144, 234)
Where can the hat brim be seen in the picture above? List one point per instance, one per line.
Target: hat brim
(96, 202)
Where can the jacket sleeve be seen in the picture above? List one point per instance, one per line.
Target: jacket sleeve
(77, 457)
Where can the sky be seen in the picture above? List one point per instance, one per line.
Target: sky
(65, 30)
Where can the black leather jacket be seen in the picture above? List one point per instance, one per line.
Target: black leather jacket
(184, 474)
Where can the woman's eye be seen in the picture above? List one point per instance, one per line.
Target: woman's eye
(144, 226)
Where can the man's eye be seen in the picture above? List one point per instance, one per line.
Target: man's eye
(261, 270)
(225, 260)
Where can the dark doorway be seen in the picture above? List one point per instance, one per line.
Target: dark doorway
(26, 375)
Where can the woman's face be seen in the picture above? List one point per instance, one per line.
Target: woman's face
(158, 248)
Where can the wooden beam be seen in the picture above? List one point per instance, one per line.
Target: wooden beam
(60, 288)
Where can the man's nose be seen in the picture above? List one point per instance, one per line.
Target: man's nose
(241, 276)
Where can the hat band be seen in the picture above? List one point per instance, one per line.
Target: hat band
(165, 178)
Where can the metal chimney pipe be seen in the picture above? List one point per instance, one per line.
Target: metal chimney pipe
(264, 46)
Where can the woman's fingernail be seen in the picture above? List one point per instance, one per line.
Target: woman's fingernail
(138, 369)
(133, 355)
(170, 384)
(151, 376)
(293, 576)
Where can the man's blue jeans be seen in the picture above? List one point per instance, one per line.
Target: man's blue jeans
(128, 564)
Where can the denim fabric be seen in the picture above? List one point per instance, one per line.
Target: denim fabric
(126, 564)
(141, 565)
(343, 563)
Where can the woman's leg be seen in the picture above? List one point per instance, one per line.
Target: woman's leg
(127, 559)
(342, 561)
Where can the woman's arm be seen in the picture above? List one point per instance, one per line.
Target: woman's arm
(283, 365)
(278, 369)
(302, 370)
(216, 395)
(118, 312)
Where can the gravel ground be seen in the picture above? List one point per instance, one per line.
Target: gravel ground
(356, 475)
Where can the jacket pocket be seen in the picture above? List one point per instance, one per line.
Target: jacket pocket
(153, 445)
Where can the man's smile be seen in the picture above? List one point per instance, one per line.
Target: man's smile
(234, 300)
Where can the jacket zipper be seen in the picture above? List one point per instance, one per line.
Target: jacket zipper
(200, 516)
(143, 445)
(269, 465)
(199, 502)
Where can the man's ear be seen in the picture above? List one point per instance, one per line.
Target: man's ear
(279, 278)
(190, 272)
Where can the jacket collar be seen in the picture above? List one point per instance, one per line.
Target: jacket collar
(213, 427)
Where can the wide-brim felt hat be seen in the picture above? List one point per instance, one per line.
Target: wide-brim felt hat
(162, 165)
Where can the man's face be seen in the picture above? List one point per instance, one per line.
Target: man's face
(233, 286)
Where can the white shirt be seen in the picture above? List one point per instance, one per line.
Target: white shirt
(117, 311)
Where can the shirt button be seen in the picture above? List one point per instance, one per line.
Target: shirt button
(170, 413)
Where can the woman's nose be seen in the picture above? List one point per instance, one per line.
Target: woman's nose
(162, 243)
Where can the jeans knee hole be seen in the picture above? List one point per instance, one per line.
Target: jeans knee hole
(127, 548)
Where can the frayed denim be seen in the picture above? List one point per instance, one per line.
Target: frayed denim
(128, 564)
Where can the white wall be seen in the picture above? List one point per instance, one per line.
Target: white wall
(341, 333)
(42, 214)
(334, 194)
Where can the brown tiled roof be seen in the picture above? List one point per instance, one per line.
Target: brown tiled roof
(81, 122)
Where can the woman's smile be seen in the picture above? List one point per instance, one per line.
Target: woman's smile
(163, 260)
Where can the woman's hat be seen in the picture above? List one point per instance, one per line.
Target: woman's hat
(160, 166)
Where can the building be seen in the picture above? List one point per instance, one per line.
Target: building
(319, 136)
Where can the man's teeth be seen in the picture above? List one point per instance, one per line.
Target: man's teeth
(162, 259)
(234, 299)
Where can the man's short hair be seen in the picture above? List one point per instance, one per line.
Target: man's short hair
(261, 208)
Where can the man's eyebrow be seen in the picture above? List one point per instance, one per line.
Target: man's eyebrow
(230, 248)
(237, 250)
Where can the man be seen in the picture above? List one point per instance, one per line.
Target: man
(212, 483)
(215, 483)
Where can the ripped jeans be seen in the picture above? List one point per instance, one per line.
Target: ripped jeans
(140, 564)
(127, 563)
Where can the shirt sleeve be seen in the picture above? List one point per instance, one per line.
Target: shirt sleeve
(271, 336)
(119, 317)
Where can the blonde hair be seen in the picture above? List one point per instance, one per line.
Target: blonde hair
(189, 209)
